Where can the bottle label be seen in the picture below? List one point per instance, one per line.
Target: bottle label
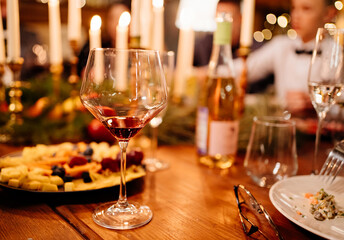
(202, 130)
(223, 137)
(222, 35)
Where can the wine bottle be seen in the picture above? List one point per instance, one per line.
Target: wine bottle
(217, 125)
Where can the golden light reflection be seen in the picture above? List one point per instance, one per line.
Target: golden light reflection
(330, 25)
(267, 34)
(282, 21)
(258, 36)
(292, 34)
(271, 18)
(339, 5)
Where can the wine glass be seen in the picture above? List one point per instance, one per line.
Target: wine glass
(153, 163)
(124, 89)
(325, 77)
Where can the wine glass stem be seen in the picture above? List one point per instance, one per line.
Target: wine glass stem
(122, 199)
(317, 140)
(154, 145)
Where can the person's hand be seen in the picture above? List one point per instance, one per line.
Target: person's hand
(298, 102)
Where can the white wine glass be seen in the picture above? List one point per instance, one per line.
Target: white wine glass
(124, 89)
(153, 163)
(325, 78)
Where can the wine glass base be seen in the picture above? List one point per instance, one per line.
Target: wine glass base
(108, 215)
(154, 164)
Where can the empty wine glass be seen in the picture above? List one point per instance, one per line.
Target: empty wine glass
(153, 163)
(325, 77)
(124, 89)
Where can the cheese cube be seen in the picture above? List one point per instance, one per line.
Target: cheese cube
(32, 185)
(49, 187)
(14, 183)
(69, 186)
(7, 175)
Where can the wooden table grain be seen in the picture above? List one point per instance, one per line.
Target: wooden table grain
(188, 200)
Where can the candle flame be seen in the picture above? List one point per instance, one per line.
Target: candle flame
(158, 3)
(96, 22)
(124, 19)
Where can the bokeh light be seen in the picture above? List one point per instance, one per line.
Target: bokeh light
(267, 34)
(271, 18)
(282, 21)
(339, 5)
(292, 34)
(258, 36)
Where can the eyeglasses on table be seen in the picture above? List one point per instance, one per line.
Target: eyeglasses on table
(253, 216)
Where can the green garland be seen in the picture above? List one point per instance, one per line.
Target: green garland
(178, 126)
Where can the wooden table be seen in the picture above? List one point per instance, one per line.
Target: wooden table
(189, 201)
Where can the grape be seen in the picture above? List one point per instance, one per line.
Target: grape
(112, 164)
(86, 177)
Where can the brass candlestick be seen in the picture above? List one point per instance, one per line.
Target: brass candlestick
(243, 52)
(56, 71)
(74, 78)
(16, 107)
(2, 86)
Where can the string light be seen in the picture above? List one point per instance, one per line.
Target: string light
(292, 34)
(282, 21)
(267, 34)
(271, 18)
(258, 36)
(339, 5)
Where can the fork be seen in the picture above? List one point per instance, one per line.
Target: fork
(333, 163)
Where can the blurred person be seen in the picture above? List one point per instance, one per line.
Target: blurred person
(204, 43)
(109, 41)
(288, 59)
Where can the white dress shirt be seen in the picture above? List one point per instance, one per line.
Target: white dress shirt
(278, 57)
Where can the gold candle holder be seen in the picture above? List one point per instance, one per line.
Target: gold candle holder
(2, 86)
(56, 71)
(16, 107)
(243, 52)
(74, 78)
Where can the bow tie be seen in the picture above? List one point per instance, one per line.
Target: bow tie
(302, 51)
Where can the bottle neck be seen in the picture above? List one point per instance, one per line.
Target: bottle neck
(221, 56)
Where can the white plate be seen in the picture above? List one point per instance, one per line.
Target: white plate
(288, 197)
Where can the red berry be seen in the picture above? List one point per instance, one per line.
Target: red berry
(134, 157)
(112, 164)
(77, 160)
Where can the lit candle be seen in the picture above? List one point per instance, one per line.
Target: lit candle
(135, 18)
(74, 20)
(122, 58)
(247, 23)
(95, 33)
(122, 30)
(95, 42)
(13, 30)
(145, 23)
(158, 25)
(2, 43)
(186, 44)
(55, 42)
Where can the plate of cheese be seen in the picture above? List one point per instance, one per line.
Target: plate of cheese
(68, 167)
